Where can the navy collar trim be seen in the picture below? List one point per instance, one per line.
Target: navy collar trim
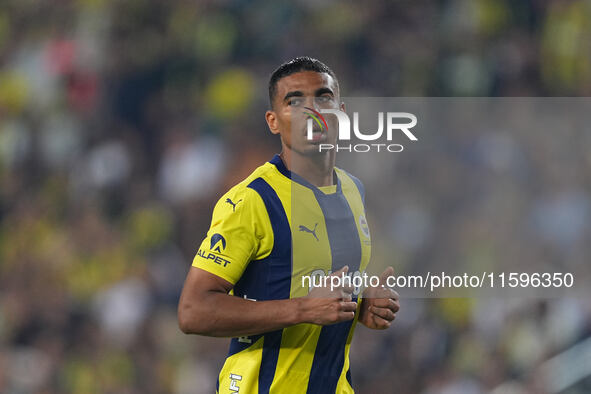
(276, 160)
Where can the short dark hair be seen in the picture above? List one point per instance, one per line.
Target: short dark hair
(302, 63)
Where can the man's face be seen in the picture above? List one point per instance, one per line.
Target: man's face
(298, 96)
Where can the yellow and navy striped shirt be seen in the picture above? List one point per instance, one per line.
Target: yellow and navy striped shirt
(268, 232)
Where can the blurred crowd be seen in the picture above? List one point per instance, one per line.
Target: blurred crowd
(123, 121)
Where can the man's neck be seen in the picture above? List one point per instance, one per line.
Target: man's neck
(317, 169)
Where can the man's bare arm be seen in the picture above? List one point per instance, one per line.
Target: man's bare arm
(206, 308)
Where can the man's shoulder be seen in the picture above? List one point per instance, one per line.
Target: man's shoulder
(341, 171)
(242, 192)
(265, 171)
(353, 180)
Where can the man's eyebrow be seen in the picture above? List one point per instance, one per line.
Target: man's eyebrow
(321, 91)
(295, 93)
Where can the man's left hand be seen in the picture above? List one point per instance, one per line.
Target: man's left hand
(379, 304)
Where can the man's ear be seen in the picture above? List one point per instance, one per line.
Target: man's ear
(343, 106)
(272, 121)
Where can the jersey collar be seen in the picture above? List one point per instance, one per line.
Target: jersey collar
(276, 160)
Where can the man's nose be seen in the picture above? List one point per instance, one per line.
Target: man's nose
(312, 103)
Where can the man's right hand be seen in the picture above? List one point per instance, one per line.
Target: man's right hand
(325, 306)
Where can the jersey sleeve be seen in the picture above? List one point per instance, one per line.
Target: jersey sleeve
(240, 232)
